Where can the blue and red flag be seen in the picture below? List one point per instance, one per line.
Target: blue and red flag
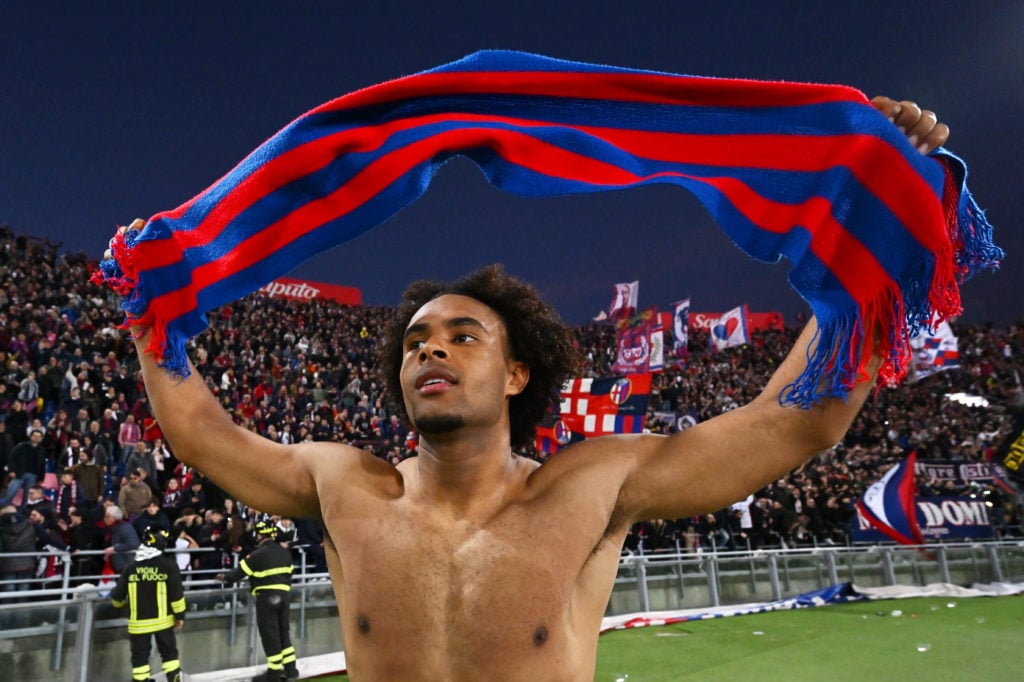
(889, 506)
(552, 438)
(879, 236)
(606, 405)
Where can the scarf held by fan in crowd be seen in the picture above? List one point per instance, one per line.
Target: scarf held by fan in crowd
(878, 235)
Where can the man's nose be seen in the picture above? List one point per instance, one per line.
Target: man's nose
(431, 349)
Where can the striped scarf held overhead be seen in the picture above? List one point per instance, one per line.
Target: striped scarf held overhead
(878, 235)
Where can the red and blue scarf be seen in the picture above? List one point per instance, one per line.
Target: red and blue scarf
(878, 235)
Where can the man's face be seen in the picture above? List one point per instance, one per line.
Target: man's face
(456, 368)
(35, 494)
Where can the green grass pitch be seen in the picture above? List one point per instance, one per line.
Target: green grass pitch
(904, 640)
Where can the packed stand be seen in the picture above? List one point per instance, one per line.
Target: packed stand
(86, 466)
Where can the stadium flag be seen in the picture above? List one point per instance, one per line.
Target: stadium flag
(730, 329)
(681, 325)
(1010, 452)
(889, 505)
(623, 304)
(933, 351)
(552, 438)
(656, 336)
(637, 349)
(1001, 479)
(766, 159)
(602, 406)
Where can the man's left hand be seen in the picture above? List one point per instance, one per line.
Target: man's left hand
(921, 126)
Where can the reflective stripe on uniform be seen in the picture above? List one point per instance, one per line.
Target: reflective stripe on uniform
(270, 571)
(260, 588)
(148, 625)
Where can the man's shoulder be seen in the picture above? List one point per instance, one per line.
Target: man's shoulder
(594, 455)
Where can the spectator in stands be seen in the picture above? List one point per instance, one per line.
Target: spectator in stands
(134, 495)
(80, 540)
(37, 499)
(164, 462)
(28, 464)
(238, 540)
(152, 517)
(172, 499)
(95, 442)
(89, 477)
(121, 540)
(141, 458)
(195, 497)
(188, 522)
(17, 422)
(212, 538)
(6, 445)
(69, 455)
(17, 536)
(129, 433)
(69, 495)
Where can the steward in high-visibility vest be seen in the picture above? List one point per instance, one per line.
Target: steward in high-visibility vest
(269, 569)
(151, 586)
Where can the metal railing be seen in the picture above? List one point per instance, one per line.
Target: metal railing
(71, 617)
(677, 580)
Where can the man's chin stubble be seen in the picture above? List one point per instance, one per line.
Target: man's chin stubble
(440, 424)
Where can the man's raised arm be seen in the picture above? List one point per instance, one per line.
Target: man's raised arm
(721, 461)
(266, 475)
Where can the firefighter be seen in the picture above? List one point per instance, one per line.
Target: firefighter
(151, 586)
(269, 569)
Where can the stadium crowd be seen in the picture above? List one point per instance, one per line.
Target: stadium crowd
(86, 466)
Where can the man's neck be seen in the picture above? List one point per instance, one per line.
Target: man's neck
(464, 474)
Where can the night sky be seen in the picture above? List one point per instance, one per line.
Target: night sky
(116, 110)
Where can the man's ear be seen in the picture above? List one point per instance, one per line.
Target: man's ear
(518, 378)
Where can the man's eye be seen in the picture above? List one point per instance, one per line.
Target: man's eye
(463, 338)
(415, 345)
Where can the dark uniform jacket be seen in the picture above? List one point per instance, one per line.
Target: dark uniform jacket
(153, 591)
(269, 567)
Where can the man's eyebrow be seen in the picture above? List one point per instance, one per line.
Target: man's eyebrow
(452, 323)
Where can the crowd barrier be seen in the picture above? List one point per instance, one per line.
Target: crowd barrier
(71, 633)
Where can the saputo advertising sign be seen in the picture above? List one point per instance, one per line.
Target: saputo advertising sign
(304, 290)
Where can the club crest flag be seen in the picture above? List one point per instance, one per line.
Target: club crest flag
(553, 437)
(681, 323)
(730, 329)
(624, 302)
(934, 351)
(606, 405)
(767, 159)
(889, 505)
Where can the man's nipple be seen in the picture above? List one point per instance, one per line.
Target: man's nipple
(363, 623)
(540, 636)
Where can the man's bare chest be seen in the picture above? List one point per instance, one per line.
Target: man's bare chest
(412, 571)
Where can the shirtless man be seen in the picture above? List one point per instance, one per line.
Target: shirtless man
(494, 567)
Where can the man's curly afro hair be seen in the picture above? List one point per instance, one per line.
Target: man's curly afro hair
(536, 334)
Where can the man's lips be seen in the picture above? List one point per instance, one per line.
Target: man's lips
(434, 381)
